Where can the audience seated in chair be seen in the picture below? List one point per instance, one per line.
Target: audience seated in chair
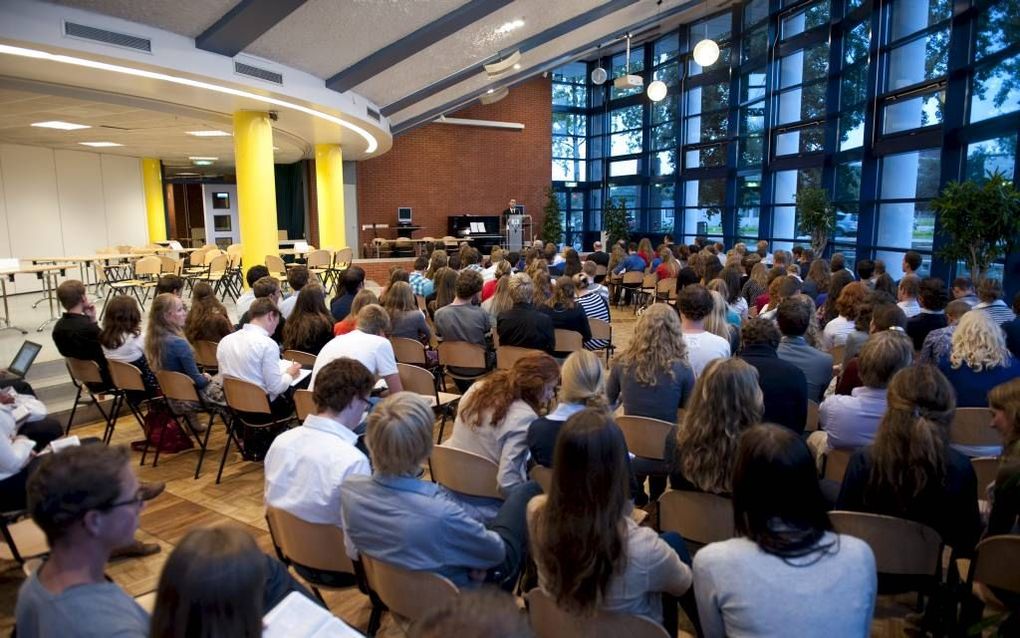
(297, 278)
(910, 471)
(310, 326)
(522, 325)
(406, 319)
(885, 316)
(397, 518)
(978, 360)
(932, 314)
(464, 319)
(565, 312)
(1004, 401)
(695, 303)
(207, 319)
(254, 273)
(266, 288)
(788, 573)
(167, 349)
(122, 340)
(352, 281)
(21, 440)
(783, 385)
(367, 344)
(365, 297)
(794, 318)
(939, 343)
(76, 333)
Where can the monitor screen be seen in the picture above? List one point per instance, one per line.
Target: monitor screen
(404, 215)
(221, 200)
(24, 358)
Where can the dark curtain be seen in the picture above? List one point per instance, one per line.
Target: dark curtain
(290, 199)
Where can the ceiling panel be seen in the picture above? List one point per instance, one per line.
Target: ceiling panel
(185, 17)
(470, 46)
(323, 37)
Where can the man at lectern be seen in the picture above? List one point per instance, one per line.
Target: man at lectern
(511, 209)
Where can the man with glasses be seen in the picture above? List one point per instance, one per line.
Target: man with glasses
(306, 466)
(87, 500)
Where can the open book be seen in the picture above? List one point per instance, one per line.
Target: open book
(284, 365)
(298, 617)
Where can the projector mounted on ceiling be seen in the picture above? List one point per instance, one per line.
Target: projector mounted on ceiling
(502, 66)
(629, 82)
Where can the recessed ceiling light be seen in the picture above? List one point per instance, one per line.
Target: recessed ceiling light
(517, 67)
(490, 91)
(211, 159)
(100, 144)
(507, 27)
(63, 126)
(210, 133)
(202, 162)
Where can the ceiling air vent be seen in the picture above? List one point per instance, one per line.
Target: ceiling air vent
(373, 113)
(259, 73)
(85, 32)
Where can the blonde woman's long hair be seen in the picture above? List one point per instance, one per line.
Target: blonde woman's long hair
(726, 401)
(1006, 397)
(582, 380)
(502, 300)
(978, 343)
(159, 328)
(657, 343)
(715, 321)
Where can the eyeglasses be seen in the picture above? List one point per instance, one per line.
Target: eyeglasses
(137, 499)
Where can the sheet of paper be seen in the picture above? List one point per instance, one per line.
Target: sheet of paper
(285, 365)
(298, 617)
(64, 443)
(176, 245)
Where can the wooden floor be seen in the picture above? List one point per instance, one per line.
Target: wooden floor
(238, 500)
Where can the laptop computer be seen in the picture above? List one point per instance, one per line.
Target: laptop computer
(23, 359)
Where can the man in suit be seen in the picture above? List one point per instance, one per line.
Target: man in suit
(783, 384)
(511, 209)
(794, 317)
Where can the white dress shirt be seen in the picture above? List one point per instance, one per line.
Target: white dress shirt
(703, 348)
(373, 351)
(250, 354)
(910, 307)
(835, 332)
(130, 351)
(306, 466)
(243, 303)
(15, 451)
(287, 305)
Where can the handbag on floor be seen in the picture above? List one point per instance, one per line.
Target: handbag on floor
(162, 431)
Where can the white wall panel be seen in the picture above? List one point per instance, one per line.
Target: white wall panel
(5, 240)
(33, 206)
(124, 196)
(80, 191)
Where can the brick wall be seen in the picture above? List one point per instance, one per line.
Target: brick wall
(441, 170)
(378, 270)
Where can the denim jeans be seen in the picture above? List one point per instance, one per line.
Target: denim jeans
(670, 618)
(511, 525)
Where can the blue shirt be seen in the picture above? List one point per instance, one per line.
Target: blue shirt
(852, 421)
(178, 357)
(630, 263)
(420, 284)
(416, 525)
(971, 386)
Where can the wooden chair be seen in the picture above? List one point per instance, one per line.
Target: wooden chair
(549, 621)
(541, 475)
(811, 424)
(972, 427)
(307, 360)
(901, 547)
(601, 271)
(217, 275)
(276, 267)
(464, 472)
(84, 372)
(507, 356)
(22, 539)
(410, 351)
(986, 468)
(649, 287)
(309, 548)
(699, 517)
(205, 356)
(127, 378)
(837, 354)
(568, 340)
(462, 355)
(244, 398)
(304, 404)
(996, 564)
(646, 437)
(181, 387)
(420, 381)
(836, 462)
(408, 594)
(603, 331)
(169, 265)
(632, 280)
(665, 290)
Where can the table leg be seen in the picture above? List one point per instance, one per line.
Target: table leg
(49, 286)
(7, 311)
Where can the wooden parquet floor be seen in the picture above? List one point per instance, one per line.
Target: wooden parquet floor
(188, 503)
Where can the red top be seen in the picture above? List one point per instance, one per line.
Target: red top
(489, 288)
(761, 301)
(345, 325)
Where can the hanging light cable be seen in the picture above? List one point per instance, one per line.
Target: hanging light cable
(706, 52)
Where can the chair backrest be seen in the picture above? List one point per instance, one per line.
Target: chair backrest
(633, 277)
(697, 516)
(317, 546)
(275, 265)
(601, 271)
(600, 329)
(169, 265)
(972, 426)
(812, 416)
(549, 621)
(900, 546)
(319, 259)
(986, 468)
(464, 472)
(836, 462)
(461, 354)
(205, 354)
(666, 287)
(407, 593)
(649, 281)
(125, 376)
(417, 380)
(150, 265)
(837, 354)
(645, 436)
(84, 370)
(304, 403)
(568, 340)
(244, 396)
(124, 249)
(306, 359)
(507, 356)
(197, 258)
(541, 475)
(218, 264)
(408, 350)
(177, 386)
(234, 249)
(997, 563)
(343, 258)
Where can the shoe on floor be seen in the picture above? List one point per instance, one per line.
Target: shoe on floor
(136, 550)
(150, 491)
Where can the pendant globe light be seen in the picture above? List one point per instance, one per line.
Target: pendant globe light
(657, 91)
(706, 52)
(598, 74)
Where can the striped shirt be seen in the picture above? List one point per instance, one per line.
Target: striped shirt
(595, 306)
(997, 310)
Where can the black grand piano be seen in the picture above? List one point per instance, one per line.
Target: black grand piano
(484, 230)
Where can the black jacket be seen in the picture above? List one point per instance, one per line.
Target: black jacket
(525, 327)
(920, 325)
(600, 257)
(783, 387)
(77, 336)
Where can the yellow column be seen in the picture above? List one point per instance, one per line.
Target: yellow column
(155, 214)
(256, 187)
(329, 189)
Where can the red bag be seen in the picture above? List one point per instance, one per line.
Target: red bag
(163, 432)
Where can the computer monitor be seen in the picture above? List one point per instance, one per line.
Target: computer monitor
(404, 215)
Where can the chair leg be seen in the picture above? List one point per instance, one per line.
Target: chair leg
(226, 449)
(70, 419)
(204, 445)
(9, 539)
(442, 426)
(374, 621)
(118, 404)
